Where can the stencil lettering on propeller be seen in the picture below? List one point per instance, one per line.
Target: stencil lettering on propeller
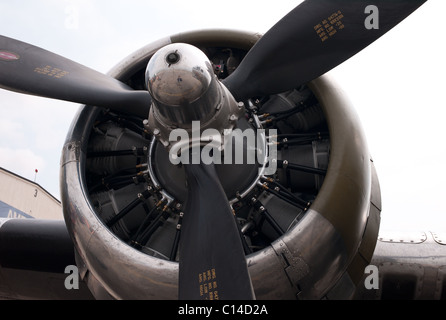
(51, 72)
(208, 284)
(330, 26)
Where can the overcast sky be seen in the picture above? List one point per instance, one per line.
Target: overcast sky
(396, 85)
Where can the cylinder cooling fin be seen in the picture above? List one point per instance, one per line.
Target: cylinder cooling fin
(306, 228)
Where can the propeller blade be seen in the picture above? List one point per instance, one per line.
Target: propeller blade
(312, 39)
(31, 70)
(212, 260)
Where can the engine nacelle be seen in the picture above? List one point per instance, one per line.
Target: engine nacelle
(309, 237)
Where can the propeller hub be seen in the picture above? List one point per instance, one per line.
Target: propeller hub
(181, 81)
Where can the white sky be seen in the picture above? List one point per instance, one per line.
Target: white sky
(396, 86)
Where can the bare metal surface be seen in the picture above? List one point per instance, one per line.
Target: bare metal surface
(304, 263)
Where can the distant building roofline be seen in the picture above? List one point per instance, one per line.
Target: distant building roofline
(31, 182)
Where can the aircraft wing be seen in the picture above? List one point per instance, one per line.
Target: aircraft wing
(33, 256)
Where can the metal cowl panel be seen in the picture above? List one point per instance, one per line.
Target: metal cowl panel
(311, 257)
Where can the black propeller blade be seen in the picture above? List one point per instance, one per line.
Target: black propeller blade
(29, 69)
(212, 260)
(312, 39)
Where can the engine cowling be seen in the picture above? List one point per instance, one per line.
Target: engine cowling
(307, 237)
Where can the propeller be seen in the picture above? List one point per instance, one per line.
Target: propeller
(312, 39)
(212, 261)
(31, 70)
